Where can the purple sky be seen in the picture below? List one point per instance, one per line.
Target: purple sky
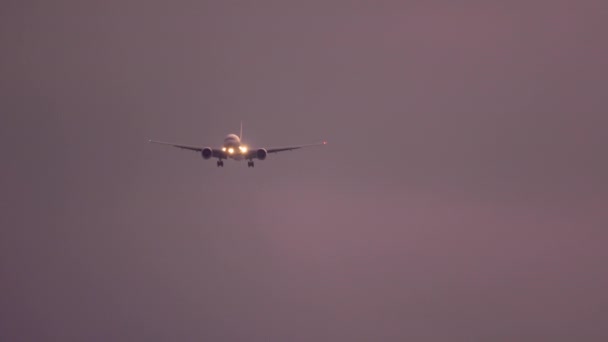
(462, 197)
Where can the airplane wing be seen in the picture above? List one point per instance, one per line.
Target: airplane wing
(290, 148)
(186, 147)
(216, 152)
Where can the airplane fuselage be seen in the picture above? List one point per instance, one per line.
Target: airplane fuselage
(234, 148)
(232, 140)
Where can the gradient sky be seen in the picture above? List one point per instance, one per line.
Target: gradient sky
(463, 195)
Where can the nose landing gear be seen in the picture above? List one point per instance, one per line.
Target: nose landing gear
(250, 164)
(220, 163)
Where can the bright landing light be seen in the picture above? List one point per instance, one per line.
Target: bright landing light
(243, 149)
(224, 149)
(231, 150)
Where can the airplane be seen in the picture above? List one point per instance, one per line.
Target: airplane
(234, 148)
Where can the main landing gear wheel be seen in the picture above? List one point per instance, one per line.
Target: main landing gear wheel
(220, 163)
(250, 164)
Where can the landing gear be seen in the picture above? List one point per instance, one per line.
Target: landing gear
(250, 164)
(220, 163)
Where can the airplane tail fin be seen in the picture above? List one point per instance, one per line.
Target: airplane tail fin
(241, 133)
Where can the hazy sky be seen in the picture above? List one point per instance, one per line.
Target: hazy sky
(463, 195)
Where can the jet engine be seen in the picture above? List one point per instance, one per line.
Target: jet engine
(261, 153)
(207, 153)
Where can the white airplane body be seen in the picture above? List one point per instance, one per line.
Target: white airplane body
(234, 148)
